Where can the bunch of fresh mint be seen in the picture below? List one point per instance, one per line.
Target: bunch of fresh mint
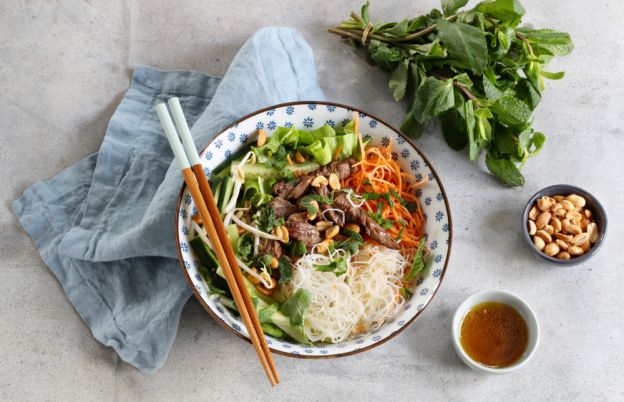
(476, 70)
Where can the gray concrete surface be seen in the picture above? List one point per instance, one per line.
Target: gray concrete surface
(64, 65)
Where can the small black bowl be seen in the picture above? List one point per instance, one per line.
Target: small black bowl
(598, 212)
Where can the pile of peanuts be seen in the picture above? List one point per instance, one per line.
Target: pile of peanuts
(561, 227)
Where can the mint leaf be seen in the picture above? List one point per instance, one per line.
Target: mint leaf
(557, 43)
(285, 270)
(450, 6)
(398, 80)
(511, 111)
(473, 142)
(503, 10)
(418, 263)
(295, 306)
(337, 266)
(436, 97)
(552, 76)
(526, 92)
(454, 129)
(399, 29)
(465, 45)
(505, 170)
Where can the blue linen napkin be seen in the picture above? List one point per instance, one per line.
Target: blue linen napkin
(104, 226)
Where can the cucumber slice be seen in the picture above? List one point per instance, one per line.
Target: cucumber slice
(259, 170)
(226, 193)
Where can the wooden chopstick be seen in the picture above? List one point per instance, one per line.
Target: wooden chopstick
(205, 206)
(206, 192)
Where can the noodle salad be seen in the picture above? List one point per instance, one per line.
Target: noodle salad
(325, 227)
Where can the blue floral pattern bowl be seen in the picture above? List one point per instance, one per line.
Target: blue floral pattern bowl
(311, 115)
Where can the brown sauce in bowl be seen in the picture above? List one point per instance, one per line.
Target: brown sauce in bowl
(494, 334)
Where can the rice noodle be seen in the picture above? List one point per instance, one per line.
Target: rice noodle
(358, 301)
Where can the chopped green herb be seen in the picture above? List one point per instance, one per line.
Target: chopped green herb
(306, 202)
(338, 266)
(418, 264)
(244, 247)
(267, 220)
(295, 306)
(285, 270)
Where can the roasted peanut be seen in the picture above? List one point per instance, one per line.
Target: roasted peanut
(563, 237)
(574, 215)
(533, 213)
(580, 239)
(354, 227)
(323, 225)
(253, 279)
(318, 181)
(532, 228)
(332, 232)
(564, 255)
(274, 263)
(323, 246)
(575, 250)
(588, 214)
(584, 223)
(585, 246)
(560, 212)
(577, 200)
(556, 224)
(592, 230)
(562, 245)
(539, 243)
(334, 182)
(570, 228)
(558, 198)
(551, 249)
(261, 138)
(567, 205)
(549, 229)
(542, 220)
(544, 204)
(544, 235)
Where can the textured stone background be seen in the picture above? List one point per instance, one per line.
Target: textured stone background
(64, 65)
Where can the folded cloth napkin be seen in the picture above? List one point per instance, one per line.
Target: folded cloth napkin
(104, 226)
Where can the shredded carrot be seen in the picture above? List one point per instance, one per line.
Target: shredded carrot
(378, 173)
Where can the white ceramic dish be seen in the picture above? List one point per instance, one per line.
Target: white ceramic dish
(503, 297)
(308, 115)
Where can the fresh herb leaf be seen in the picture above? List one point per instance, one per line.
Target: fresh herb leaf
(267, 220)
(475, 69)
(465, 45)
(297, 248)
(418, 263)
(377, 217)
(244, 247)
(338, 266)
(306, 202)
(295, 306)
(505, 170)
(504, 10)
(285, 270)
(398, 80)
(450, 6)
(352, 243)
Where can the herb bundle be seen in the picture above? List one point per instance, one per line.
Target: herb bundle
(476, 70)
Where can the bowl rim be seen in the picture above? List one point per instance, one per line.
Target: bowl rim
(344, 354)
(492, 294)
(572, 189)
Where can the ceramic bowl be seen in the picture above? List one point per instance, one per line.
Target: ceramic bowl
(592, 203)
(311, 115)
(502, 297)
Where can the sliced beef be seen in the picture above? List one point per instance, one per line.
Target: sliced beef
(301, 187)
(303, 231)
(359, 216)
(283, 188)
(343, 169)
(322, 190)
(333, 215)
(271, 247)
(298, 217)
(283, 207)
(295, 190)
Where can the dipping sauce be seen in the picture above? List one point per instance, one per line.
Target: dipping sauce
(494, 334)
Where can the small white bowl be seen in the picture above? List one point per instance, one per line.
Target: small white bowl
(502, 297)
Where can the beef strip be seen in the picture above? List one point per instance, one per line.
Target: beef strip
(271, 247)
(359, 216)
(283, 207)
(299, 229)
(295, 190)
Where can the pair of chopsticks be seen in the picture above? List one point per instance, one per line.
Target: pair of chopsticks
(186, 154)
